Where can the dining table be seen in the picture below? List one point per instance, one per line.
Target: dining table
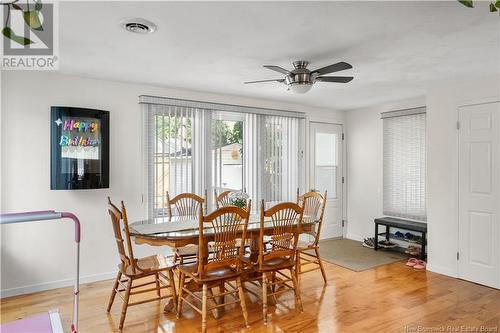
(179, 231)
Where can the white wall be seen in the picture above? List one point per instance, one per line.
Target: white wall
(39, 256)
(364, 166)
(443, 100)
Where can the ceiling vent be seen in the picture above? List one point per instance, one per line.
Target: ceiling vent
(138, 26)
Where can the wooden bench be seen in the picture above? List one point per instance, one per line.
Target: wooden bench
(391, 222)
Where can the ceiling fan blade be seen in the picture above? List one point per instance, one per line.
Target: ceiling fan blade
(340, 79)
(340, 66)
(277, 69)
(273, 80)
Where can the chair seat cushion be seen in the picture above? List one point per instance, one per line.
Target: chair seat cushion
(271, 264)
(219, 273)
(150, 264)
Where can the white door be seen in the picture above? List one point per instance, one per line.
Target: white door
(326, 173)
(479, 197)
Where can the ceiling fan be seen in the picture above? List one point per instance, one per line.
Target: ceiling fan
(300, 79)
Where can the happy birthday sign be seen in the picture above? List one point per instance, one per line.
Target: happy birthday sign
(80, 140)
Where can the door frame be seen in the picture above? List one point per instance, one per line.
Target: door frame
(455, 171)
(344, 166)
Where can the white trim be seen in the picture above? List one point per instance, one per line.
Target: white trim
(354, 237)
(402, 113)
(442, 270)
(476, 101)
(210, 106)
(55, 284)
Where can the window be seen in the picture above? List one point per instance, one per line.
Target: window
(405, 164)
(227, 151)
(326, 162)
(171, 153)
(195, 146)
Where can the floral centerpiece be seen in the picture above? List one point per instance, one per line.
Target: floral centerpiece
(238, 199)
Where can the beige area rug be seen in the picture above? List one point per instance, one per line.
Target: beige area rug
(354, 256)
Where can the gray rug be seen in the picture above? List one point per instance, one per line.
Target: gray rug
(354, 256)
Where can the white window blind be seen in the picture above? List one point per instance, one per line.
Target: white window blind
(405, 164)
(170, 159)
(192, 146)
(280, 152)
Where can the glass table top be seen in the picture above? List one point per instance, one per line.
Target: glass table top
(182, 227)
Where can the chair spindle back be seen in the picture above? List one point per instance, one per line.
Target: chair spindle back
(186, 206)
(226, 225)
(117, 216)
(223, 199)
(286, 219)
(314, 209)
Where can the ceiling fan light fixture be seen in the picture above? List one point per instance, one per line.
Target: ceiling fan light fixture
(300, 88)
(300, 79)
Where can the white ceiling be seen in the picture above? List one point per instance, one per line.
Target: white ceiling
(397, 48)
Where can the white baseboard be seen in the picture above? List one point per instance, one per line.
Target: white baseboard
(442, 270)
(354, 237)
(55, 284)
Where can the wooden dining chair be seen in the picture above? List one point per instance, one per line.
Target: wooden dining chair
(223, 264)
(186, 207)
(157, 268)
(222, 199)
(314, 209)
(279, 254)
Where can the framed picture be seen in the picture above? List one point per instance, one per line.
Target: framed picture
(79, 148)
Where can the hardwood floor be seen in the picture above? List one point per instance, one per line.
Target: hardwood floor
(391, 298)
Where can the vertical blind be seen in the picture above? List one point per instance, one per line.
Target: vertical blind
(180, 142)
(280, 152)
(173, 152)
(405, 164)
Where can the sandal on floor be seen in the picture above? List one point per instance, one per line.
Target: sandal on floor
(412, 262)
(420, 265)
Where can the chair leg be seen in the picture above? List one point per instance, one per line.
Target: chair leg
(320, 265)
(272, 288)
(204, 309)
(125, 302)
(221, 299)
(298, 267)
(158, 291)
(264, 297)
(172, 288)
(182, 277)
(296, 290)
(242, 301)
(215, 312)
(113, 292)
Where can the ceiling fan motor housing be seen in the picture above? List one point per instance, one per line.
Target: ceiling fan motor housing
(300, 74)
